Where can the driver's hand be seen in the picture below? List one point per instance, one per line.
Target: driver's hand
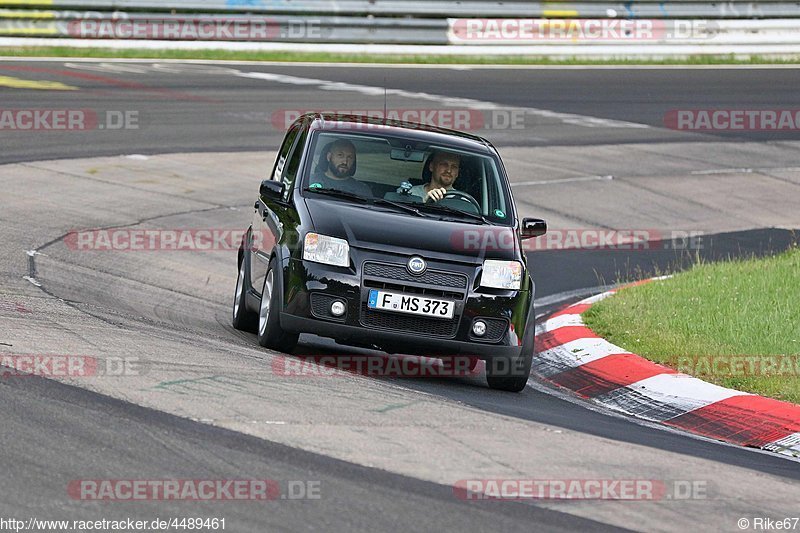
(434, 195)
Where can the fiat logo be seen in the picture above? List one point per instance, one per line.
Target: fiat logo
(417, 266)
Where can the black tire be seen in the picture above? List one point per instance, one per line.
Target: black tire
(243, 319)
(270, 334)
(509, 373)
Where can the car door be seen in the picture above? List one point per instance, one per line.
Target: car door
(272, 217)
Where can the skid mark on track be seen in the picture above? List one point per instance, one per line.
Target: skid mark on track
(207, 386)
(394, 406)
(215, 386)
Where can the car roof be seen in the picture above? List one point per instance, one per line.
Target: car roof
(413, 130)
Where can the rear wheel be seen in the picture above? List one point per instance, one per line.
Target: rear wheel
(270, 334)
(243, 319)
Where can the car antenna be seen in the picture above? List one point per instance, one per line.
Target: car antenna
(385, 99)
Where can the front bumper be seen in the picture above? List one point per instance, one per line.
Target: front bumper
(309, 288)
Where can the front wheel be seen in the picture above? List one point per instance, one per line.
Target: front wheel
(509, 373)
(270, 334)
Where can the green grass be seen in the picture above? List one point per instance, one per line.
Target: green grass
(296, 57)
(727, 323)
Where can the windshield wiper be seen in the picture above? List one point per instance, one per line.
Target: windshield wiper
(338, 193)
(405, 207)
(450, 210)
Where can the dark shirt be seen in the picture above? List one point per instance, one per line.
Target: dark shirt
(346, 184)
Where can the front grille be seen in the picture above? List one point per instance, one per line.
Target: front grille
(429, 327)
(430, 277)
(495, 329)
(411, 289)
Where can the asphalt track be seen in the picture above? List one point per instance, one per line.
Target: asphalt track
(201, 108)
(55, 432)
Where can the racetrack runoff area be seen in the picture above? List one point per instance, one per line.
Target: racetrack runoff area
(170, 312)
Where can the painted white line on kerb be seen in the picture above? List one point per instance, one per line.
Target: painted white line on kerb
(787, 446)
(680, 392)
(450, 101)
(570, 397)
(579, 352)
(564, 321)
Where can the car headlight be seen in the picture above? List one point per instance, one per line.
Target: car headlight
(326, 250)
(502, 274)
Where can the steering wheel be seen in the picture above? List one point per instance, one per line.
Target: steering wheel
(459, 195)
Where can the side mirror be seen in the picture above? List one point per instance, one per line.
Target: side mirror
(272, 189)
(533, 227)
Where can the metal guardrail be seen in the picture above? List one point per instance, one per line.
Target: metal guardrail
(359, 30)
(396, 22)
(441, 9)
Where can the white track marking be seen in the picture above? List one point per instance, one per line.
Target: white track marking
(450, 101)
(557, 298)
(714, 171)
(563, 180)
(600, 297)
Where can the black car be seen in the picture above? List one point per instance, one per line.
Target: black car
(390, 235)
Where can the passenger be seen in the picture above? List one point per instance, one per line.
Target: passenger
(336, 168)
(444, 168)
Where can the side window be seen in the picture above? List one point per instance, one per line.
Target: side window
(283, 154)
(293, 165)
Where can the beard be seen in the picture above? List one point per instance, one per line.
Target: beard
(447, 181)
(342, 171)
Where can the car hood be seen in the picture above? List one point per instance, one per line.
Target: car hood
(385, 229)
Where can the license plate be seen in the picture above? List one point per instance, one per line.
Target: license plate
(412, 305)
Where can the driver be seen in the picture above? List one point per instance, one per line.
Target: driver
(444, 168)
(337, 167)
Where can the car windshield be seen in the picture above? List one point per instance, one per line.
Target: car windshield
(466, 185)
